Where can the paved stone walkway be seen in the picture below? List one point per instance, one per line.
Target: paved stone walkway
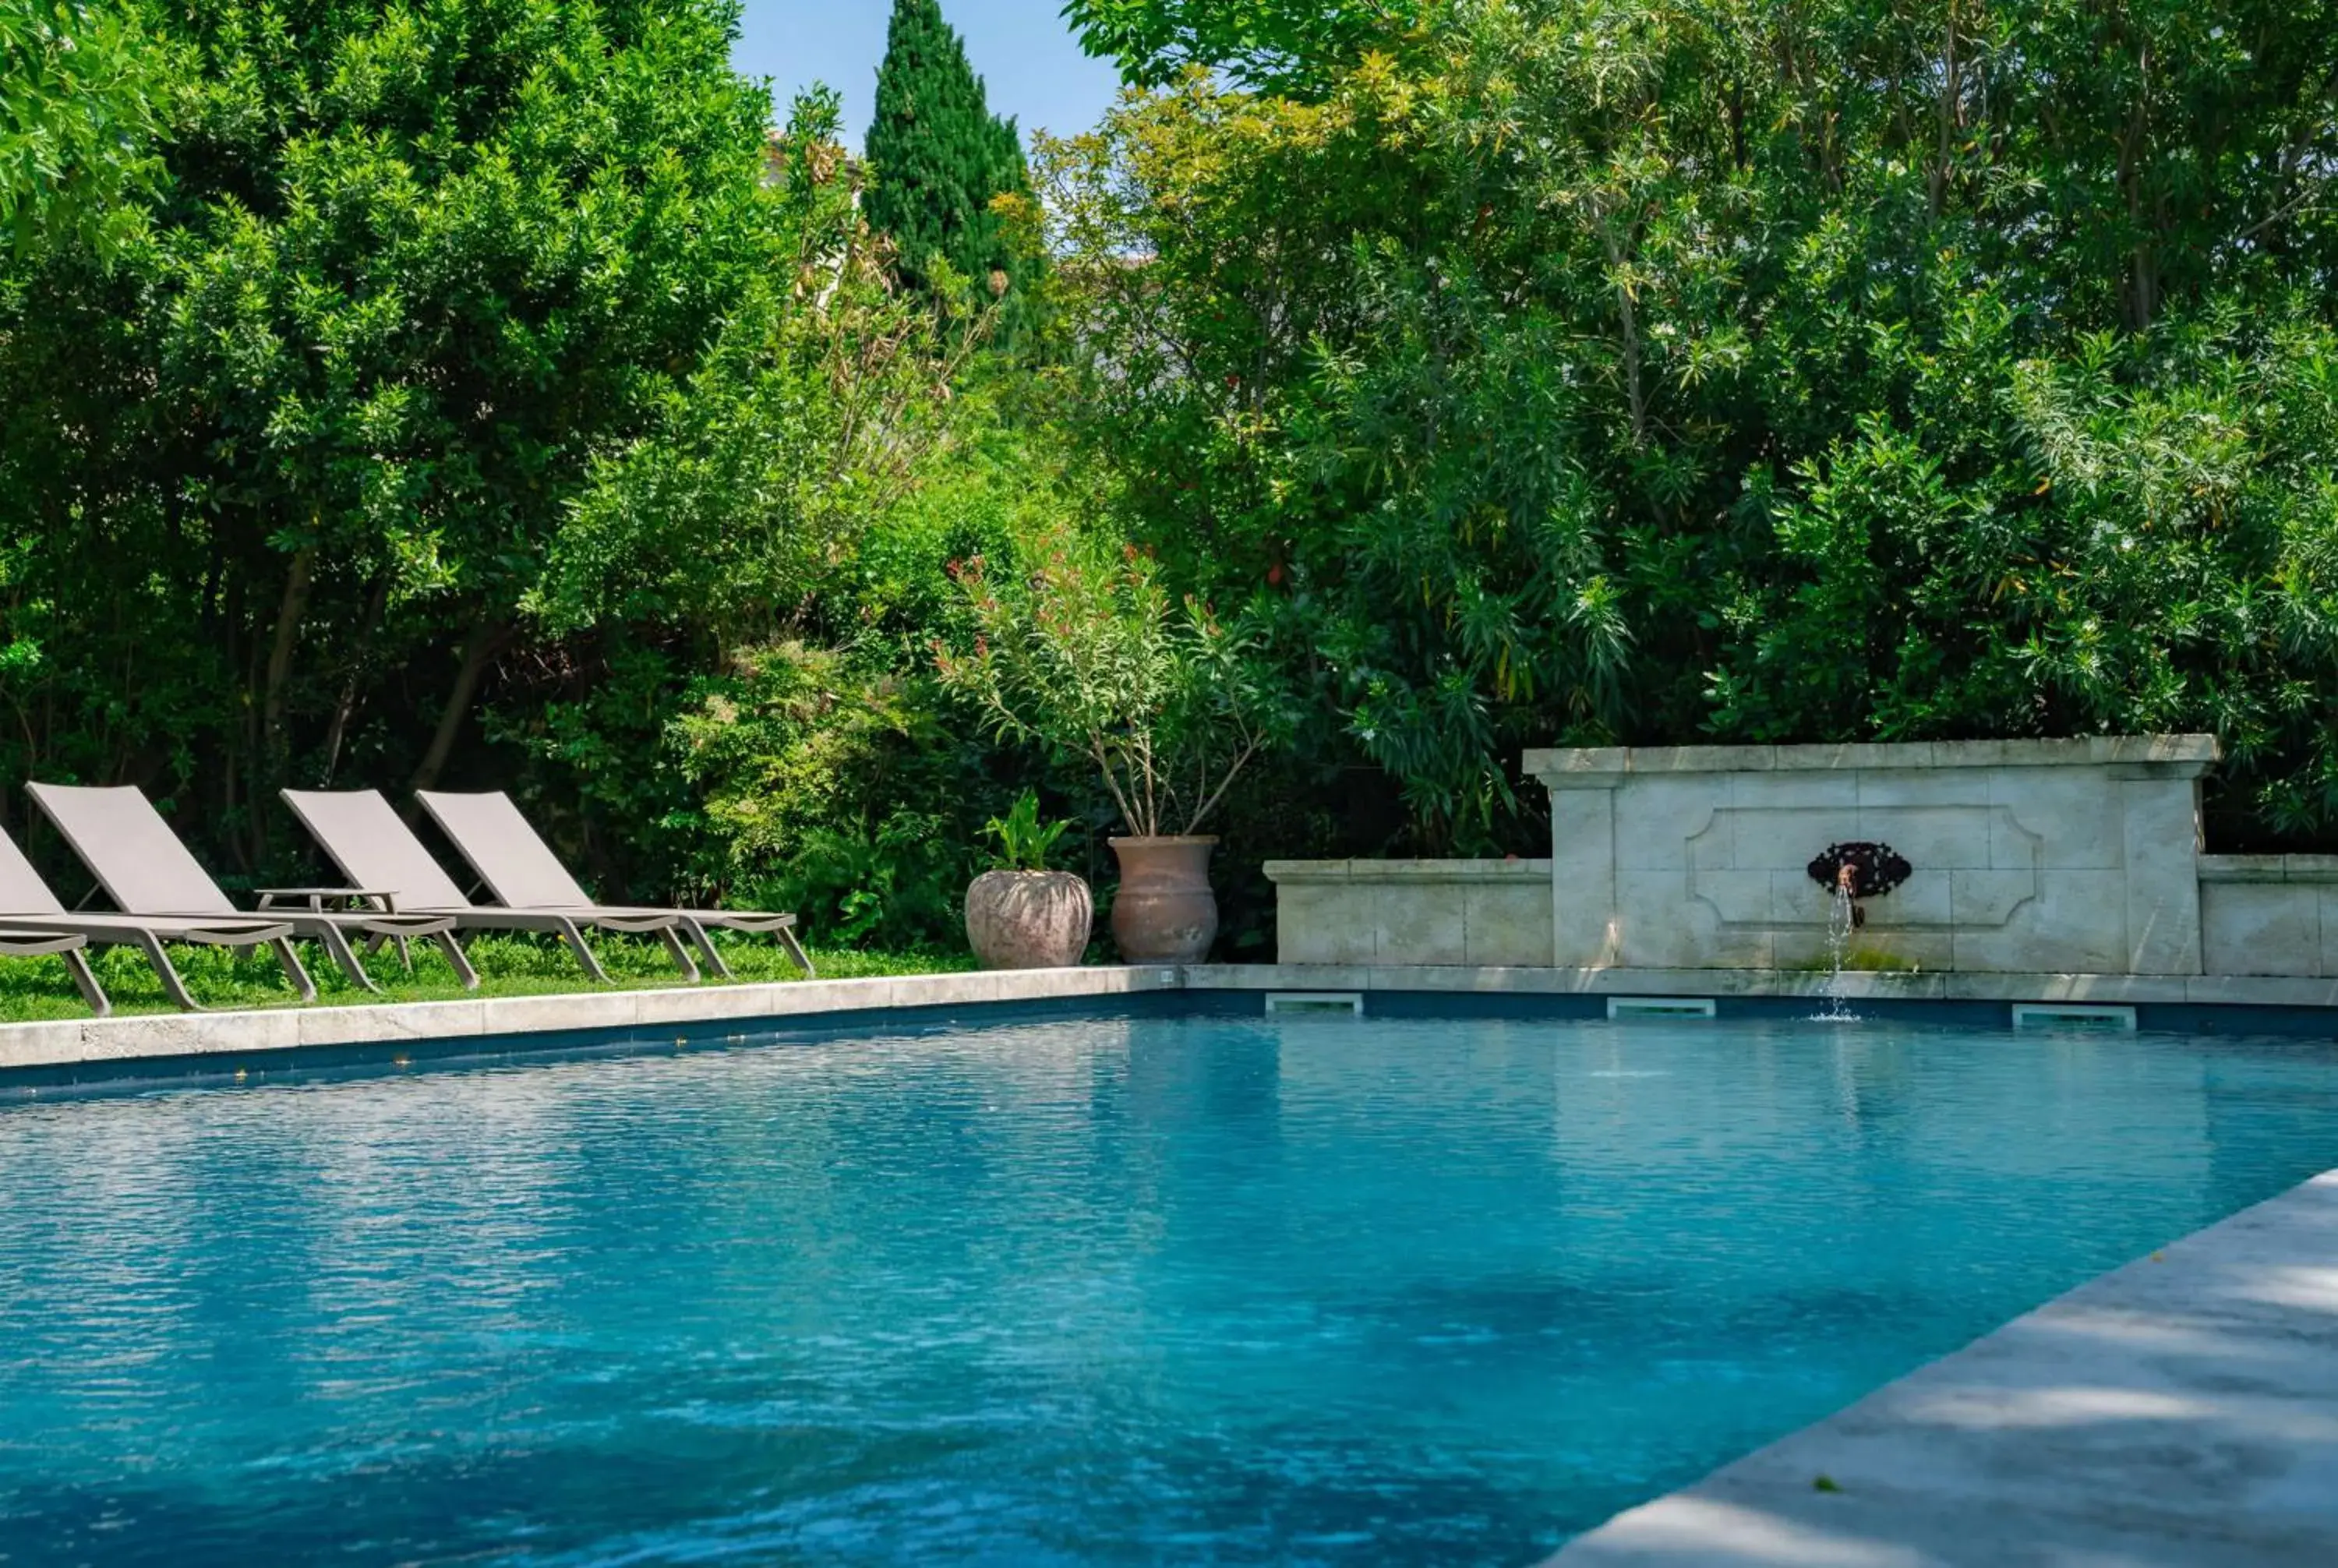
(2182, 1411)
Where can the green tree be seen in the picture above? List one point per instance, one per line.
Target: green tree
(1289, 46)
(941, 158)
(1657, 372)
(439, 315)
(76, 114)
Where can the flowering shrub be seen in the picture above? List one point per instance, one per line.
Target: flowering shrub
(1085, 653)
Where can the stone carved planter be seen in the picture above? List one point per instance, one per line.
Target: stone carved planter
(1028, 919)
(1165, 912)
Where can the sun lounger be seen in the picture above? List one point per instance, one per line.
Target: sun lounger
(364, 837)
(66, 946)
(26, 905)
(70, 948)
(513, 860)
(149, 874)
(371, 846)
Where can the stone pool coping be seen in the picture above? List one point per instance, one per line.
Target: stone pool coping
(2182, 1410)
(156, 1036)
(166, 1035)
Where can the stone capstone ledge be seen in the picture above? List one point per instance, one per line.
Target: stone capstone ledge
(1281, 872)
(2315, 871)
(2184, 756)
(161, 1035)
(2180, 1411)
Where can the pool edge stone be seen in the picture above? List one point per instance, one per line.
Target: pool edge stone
(613, 1015)
(43, 1043)
(380, 1023)
(2183, 1408)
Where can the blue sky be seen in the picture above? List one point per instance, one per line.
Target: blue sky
(1026, 55)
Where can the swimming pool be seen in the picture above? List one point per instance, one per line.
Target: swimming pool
(1113, 1290)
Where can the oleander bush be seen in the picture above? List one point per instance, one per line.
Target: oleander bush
(1568, 371)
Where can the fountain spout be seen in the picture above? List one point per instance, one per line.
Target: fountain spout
(1850, 872)
(1846, 889)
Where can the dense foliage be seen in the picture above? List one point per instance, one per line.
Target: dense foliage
(76, 81)
(941, 158)
(1289, 46)
(1082, 651)
(1670, 372)
(484, 397)
(486, 394)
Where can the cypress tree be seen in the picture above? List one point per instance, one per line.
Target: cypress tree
(939, 153)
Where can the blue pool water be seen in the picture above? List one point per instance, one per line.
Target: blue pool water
(1210, 1290)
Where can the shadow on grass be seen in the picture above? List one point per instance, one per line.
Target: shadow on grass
(509, 965)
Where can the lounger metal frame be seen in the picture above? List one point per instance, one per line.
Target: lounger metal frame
(28, 905)
(364, 836)
(165, 894)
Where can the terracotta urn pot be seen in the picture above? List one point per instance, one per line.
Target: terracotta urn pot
(1028, 919)
(1165, 912)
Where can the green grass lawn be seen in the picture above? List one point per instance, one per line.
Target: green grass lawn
(509, 965)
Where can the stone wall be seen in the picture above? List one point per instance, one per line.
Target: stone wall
(2073, 857)
(2269, 913)
(2067, 856)
(1482, 912)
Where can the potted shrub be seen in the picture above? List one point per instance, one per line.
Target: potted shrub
(1084, 652)
(1020, 915)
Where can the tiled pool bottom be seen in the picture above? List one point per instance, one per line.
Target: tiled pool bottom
(1208, 1290)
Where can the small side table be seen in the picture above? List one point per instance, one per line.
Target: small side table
(353, 899)
(317, 898)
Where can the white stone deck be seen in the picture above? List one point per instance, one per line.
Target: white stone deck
(2182, 1411)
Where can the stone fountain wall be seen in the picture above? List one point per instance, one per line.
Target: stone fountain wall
(2026, 856)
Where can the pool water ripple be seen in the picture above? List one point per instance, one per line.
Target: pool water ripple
(1207, 1290)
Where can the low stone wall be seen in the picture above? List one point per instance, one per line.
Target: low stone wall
(2269, 913)
(1436, 913)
